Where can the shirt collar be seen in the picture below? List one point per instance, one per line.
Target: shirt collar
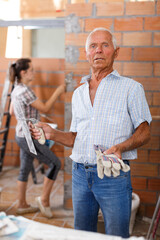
(88, 77)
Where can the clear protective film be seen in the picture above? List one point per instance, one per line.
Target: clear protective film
(20, 114)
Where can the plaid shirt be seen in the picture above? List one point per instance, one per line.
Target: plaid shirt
(119, 108)
(26, 96)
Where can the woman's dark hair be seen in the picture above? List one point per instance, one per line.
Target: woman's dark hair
(17, 67)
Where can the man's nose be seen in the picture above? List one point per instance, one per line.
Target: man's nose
(99, 49)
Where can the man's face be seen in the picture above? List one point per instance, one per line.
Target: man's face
(100, 52)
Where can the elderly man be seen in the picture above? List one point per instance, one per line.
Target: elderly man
(111, 111)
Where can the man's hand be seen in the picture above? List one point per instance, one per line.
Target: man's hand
(36, 133)
(114, 150)
(109, 163)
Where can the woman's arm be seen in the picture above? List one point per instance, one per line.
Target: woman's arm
(45, 107)
(11, 111)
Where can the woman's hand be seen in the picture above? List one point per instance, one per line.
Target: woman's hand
(61, 88)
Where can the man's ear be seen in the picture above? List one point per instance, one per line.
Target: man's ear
(116, 53)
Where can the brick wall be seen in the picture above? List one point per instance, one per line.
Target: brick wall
(136, 25)
(49, 74)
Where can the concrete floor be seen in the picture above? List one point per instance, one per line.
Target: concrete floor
(62, 217)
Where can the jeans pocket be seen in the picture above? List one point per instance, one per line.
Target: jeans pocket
(74, 165)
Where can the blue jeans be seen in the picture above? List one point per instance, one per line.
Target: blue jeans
(112, 194)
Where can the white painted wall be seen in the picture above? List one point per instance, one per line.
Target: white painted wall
(48, 43)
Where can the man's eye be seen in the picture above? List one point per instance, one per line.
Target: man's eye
(93, 46)
(105, 45)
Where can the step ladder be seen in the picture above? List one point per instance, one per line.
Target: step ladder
(154, 222)
(5, 116)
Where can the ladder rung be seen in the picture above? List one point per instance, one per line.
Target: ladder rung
(3, 130)
(6, 113)
(1, 147)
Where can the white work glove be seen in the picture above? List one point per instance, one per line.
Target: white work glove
(100, 168)
(109, 164)
(103, 163)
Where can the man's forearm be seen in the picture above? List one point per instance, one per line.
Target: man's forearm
(138, 139)
(64, 138)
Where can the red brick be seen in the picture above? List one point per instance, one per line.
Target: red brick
(110, 9)
(96, 1)
(13, 121)
(139, 183)
(137, 39)
(2, 77)
(155, 112)
(155, 128)
(152, 23)
(140, 8)
(58, 108)
(156, 98)
(11, 133)
(40, 79)
(153, 144)
(15, 147)
(81, 9)
(62, 64)
(46, 64)
(154, 156)
(11, 160)
(91, 23)
(77, 1)
(154, 184)
(4, 63)
(118, 37)
(147, 197)
(150, 210)
(142, 155)
(151, 84)
(149, 97)
(76, 39)
(82, 53)
(118, 67)
(55, 79)
(146, 54)
(156, 68)
(128, 24)
(8, 146)
(141, 210)
(60, 122)
(137, 69)
(125, 54)
(156, 40)
(146, 170)
(158, 7)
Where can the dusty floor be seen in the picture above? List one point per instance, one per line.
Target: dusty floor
(62, 217)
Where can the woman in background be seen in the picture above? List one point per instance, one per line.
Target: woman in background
(21, 74)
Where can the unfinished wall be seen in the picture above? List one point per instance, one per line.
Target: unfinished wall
(136, 25)
(49, 74)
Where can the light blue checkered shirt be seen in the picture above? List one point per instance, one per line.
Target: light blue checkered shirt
(119, 107)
